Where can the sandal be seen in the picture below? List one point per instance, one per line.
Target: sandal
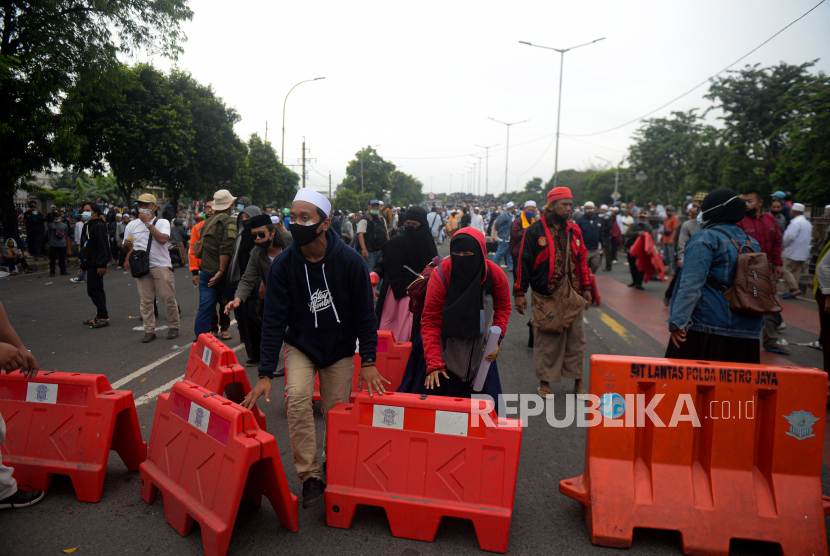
(100, 323)
(89, 322)
(226, 335)
(792, 295)
(28, 271)
(815, 344)
(547, 394)
(778, 349)
(581, 394)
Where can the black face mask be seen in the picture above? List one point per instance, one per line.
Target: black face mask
(751, 212)
(775, 212)
(246, 224)
(303, 235)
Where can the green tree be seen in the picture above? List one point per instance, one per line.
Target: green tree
(346, 199)
(137, 125)
(216, 150)
(535, 186)
(375, 176)
(45, 47)
(805, 158)
(759, 105)
(572, 179)
(405, 189)
(263, 178)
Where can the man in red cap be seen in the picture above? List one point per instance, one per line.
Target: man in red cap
(554, 265)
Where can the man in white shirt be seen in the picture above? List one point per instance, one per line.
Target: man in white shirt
(477, 221)
(160, 279)
(796, 244)
(435, 223)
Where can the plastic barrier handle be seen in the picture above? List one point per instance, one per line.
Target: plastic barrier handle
(576, 489)
(825, 500)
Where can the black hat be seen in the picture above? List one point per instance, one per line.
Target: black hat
(260, 220)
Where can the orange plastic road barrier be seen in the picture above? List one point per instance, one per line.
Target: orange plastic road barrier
(391, 362)
(213, 365)
(422, 458)
(751, 470)
(206, 453)
(66, 424)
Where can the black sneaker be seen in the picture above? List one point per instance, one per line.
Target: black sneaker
(21, 499)
(632, 285)
(312, 492)
(641, 288)
(252, 362)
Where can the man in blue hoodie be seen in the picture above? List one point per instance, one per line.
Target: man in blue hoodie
(319, 321)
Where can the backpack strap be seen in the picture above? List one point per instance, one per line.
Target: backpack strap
(735, 243)
(443, 277)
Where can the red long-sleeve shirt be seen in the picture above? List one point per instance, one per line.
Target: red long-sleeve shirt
(766, 232)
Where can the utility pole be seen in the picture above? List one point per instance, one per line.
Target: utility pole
(329, 185)
(487, 174)
(507, 148)
(266, 133)
(304, 159)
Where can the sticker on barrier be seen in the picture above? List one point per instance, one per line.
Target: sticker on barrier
(213, 365)
(66, 424)
(716, 451)
(206, 454)
(391, 362)
(421, 459)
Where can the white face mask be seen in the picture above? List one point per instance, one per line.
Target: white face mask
(700, 219)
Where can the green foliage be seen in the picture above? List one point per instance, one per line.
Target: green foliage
(805, 165)
(575, 180)
(84, 189)
(600, 185)
(263, 178)
(376, 175)
(405, 189)
(135, 122)
(46, 47)
(346, 199)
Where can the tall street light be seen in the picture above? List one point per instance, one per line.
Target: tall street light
(616, 194)
(561, 51)
(487, 166)
(282, 153)
(507, 148)
(478, 188)
(361, 164)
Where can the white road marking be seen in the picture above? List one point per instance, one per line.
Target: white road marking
(153, 394)
(132, 376)
(141, 328)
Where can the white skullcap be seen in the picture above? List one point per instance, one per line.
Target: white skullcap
(589, 204)
(510, 205)
(603, 207)
(530, 204)
(275, 220)
(798, 207)
(688, 207)
(311, 196)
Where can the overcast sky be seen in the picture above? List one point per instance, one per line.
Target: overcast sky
(421, 78)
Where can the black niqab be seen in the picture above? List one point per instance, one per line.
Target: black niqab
(463, 308)
(722, 206)
(414, 249)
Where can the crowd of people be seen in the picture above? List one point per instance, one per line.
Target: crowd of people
(299, 282)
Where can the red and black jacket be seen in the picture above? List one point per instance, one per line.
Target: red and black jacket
(535, 268)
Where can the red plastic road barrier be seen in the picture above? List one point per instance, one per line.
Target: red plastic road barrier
(213, 365)
(391, 362)
(66, 424)
(422, 458)
(206, 453)
(751, 470)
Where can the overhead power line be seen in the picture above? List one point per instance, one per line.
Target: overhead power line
(702, 83)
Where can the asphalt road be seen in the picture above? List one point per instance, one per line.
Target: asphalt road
(48, 312)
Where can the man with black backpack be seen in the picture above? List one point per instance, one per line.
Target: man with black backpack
(56, 235)
(93, 258)
(149, 262)
(372, 233)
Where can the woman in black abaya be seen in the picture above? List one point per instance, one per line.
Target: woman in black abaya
(404, 257)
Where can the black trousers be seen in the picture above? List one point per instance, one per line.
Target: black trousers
(250, 326)
(35, 242)
(824, 323)
(713, 347)
(95, 291)
(636, 275)
(10, 263)
(60, 254)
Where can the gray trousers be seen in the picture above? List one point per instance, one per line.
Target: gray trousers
(769, 335)
(8, 485)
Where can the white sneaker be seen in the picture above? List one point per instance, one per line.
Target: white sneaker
(613, 262)
(782, 326)
(76, 279)
(503, 265)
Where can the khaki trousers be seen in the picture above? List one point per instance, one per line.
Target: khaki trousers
(335, 387)
(158, 282)
(594, 258)
(792, 273)
(559, 354)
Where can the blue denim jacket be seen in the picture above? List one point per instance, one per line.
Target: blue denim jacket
(695, 305)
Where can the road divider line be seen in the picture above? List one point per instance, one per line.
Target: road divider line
(132, 376)
(614, 325)
(153, 394)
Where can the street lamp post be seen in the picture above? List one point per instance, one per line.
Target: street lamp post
(507, 148)
(362, 152)
(487, 166)
(616, 194)
(282, 152)
(561, 52)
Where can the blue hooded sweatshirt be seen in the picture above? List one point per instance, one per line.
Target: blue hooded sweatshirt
(319, 308)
